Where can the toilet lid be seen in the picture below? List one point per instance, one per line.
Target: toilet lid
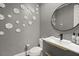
(35, 50)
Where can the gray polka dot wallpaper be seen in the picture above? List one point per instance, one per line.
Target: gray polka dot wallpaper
(19, 25)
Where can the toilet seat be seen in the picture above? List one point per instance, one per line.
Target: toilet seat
(35, 51)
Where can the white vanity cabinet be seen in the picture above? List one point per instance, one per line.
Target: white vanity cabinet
(52, 49)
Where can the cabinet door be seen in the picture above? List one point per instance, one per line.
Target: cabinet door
(56, 51)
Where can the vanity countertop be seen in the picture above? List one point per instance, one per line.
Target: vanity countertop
(64, 43)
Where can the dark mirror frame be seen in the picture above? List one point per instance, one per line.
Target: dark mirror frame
(73, 28)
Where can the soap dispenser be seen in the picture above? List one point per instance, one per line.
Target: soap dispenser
(74, 38)
(77, 39)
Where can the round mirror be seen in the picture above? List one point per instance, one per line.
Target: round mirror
(66, 17)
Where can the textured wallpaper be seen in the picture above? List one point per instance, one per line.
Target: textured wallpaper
(19, 25)
(76, 15)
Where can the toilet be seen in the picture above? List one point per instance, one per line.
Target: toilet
(36, 51)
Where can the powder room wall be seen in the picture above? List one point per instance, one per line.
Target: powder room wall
(45, 20)
(13, 42)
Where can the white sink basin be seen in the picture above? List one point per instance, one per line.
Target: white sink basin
(57, 40)
(66, 42)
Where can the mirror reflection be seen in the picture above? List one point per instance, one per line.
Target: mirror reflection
(66, 17)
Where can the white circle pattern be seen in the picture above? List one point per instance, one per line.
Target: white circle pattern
(2, 17)
(9, 25)
(1, 33)
(16, 10)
